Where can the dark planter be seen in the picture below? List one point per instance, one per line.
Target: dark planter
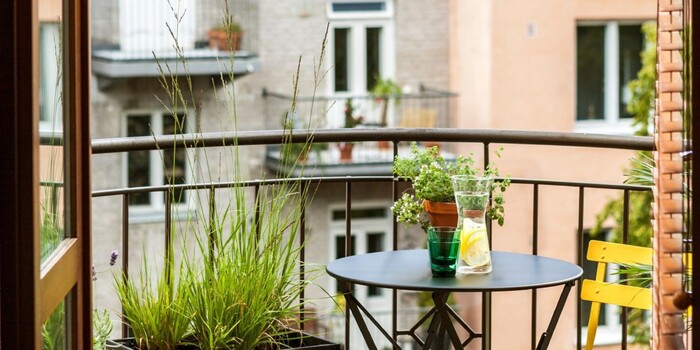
(294, 341)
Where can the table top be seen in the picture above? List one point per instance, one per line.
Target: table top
(410, 270)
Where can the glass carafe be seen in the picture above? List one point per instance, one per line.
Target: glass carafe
(472, 198)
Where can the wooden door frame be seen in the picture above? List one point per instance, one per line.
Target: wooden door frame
(26, 293)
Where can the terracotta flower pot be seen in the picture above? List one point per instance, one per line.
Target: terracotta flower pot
(345, 152)
(441, 213)
(218, 39)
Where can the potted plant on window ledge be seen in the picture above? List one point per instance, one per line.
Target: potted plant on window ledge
(431, 201)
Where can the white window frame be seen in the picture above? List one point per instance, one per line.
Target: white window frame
(360, 228)
(612, 123)
(387, 13)
(357, 62)
(153, 212)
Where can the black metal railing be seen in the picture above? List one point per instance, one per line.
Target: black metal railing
(485, 140)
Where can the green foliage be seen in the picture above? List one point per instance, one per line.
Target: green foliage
(53, 331)
(383, 90)
(157, 314)
(248, 286)
(101, 329)
(643, 89)
(430, 174)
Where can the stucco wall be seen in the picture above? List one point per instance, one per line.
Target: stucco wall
(513, 64)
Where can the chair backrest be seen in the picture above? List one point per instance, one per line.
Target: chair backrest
(599, 291)
(418, 118)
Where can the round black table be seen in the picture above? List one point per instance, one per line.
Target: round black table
(410, 270)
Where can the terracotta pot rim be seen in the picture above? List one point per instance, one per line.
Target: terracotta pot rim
(440, 207)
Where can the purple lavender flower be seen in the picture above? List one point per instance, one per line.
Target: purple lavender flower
(113, 257)
(94, 273)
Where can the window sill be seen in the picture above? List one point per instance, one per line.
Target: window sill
(621, 127)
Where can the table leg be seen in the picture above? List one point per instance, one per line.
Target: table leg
(351, 304)
(440, 300)
(357, 311)
(547, 336)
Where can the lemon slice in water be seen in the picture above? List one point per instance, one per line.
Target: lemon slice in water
(469, 239)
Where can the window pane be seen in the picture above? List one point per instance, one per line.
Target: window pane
(341, 61)
(53, 331)
(590, 87)
(139, 170)
(368, 213)
(631, 45)
(50, 82)
(51, 149)
(373, 50)
(175, 160)
(359, 6)
(340, 253)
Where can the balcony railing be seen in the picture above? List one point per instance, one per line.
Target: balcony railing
(482, 142)
(426, 108)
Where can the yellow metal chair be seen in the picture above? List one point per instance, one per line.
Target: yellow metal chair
(598, 291)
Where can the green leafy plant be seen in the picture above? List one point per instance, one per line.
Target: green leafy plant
(53, 330)
(101, 329)
(156, 313)
(430, 175)
(382, 91)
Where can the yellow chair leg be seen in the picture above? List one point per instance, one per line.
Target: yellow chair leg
(592, 325)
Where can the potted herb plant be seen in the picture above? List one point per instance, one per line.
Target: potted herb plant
(227, 36)
(431, 190)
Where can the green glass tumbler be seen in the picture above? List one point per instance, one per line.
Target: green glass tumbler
(443, 248)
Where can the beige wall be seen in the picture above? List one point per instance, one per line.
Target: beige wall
(50, 10)
(513, 64)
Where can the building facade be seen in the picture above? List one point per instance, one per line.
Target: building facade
(513, 65)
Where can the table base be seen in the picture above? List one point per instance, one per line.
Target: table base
(441, 324)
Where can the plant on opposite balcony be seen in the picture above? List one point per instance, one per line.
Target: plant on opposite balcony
(431, 185)
(227, 36)
(351, 121)
(382, 91)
